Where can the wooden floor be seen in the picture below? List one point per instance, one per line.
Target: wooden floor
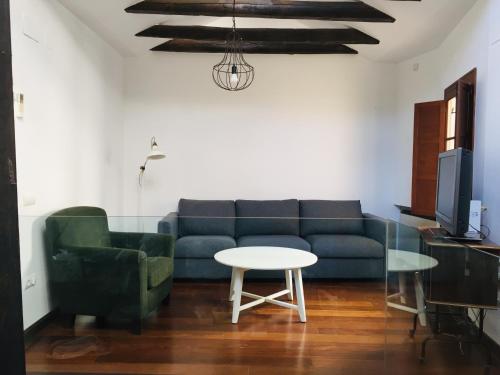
(347, 333)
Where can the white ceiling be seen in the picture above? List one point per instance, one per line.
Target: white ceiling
(419, 27)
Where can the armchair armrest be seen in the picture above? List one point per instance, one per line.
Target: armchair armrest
(115, 270)
(105, 255)
(376, 228)
(169, 225)
(110, 280)
(153, 244)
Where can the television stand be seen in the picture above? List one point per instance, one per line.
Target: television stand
(464, 239)
(464, 279)
(444, 235)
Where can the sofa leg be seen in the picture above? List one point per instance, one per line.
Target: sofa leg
(101, 321)
(137, 326)
(166, 301)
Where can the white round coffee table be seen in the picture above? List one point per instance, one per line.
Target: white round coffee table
(404, 262)
(263, 258)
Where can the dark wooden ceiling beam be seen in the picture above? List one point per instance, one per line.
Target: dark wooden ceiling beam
(340, 36)
(316, 10)
(282, 47)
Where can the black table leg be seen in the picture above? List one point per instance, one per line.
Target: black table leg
(414, 329)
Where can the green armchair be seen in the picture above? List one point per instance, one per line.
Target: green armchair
(106, 274)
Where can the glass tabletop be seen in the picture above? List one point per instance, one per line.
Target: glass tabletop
(407, 261)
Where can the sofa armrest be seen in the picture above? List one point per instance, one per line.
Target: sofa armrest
(376, 228)
(169, 225)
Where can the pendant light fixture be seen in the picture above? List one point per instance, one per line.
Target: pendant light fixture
(233, 73)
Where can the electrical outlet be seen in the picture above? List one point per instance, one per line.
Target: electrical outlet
(30, 282)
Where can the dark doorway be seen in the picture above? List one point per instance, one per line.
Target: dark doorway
(11, 314)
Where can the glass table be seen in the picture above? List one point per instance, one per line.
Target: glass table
(407, 262)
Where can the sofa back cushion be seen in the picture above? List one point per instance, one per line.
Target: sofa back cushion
(267, 217)
(210, 218)
(339, 217)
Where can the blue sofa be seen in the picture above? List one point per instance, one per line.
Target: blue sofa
(348, 243)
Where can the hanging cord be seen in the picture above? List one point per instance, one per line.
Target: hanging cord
(234, 16)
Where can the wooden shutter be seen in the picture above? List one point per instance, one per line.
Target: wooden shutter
(428, 142)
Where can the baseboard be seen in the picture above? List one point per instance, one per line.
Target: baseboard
(31, 332)
(494, 347)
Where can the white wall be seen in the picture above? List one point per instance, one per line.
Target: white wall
(69, 144)
(308, 127)
(465, 48)
(473, 43)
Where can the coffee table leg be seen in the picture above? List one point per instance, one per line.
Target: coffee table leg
(419, 294)
(402, 287)
(289, 284)
(297, 274)
(238, 286)
(231, 288)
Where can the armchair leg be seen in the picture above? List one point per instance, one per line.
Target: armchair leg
(137, 326)
(68, 320)
(166, 301)
(101, 321)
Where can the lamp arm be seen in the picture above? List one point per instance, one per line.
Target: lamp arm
(143, 169)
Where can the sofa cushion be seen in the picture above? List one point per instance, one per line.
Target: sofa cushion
(345, 246)
(294, 242)
(340, 217)
(267, 217)
(159, 270)
(202, 246)
(212, 218)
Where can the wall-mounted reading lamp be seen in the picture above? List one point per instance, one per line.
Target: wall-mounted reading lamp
(154, 154)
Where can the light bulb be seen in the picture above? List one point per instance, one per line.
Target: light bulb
(234, 75)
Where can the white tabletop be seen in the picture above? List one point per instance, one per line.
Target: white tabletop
(407, 261)
(266, 258)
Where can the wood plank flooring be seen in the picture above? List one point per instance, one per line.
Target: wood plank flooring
(349, 331)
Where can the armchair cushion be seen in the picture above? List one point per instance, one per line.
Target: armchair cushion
(211, 218)
(159, 270)
(313, 211)
(294, 242)
(345, 246)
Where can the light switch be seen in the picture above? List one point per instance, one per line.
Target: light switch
(29, 199)
(19, 104)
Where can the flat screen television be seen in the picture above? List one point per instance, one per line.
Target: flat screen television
(454, 191)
